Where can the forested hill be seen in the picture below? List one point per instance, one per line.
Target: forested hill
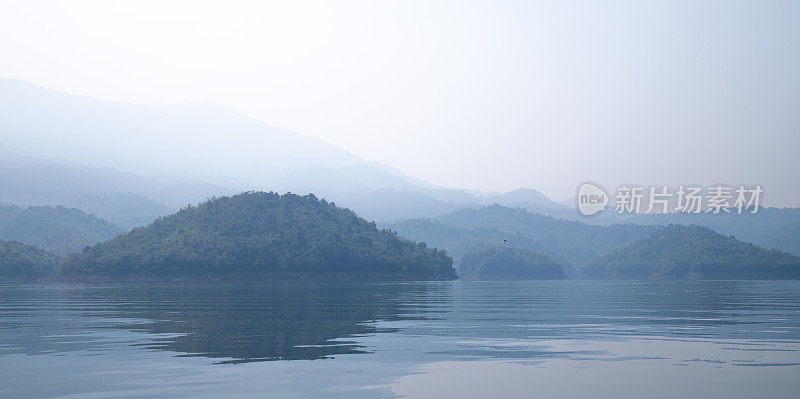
(570, 237)
(261, 234)
(57, 229)
(694, 252)
(20, 261)
(573, 244)
(508, 263)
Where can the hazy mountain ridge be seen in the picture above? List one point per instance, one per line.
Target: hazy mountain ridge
(123, 198)
(571, 243)
(149, 145)
(156, 139)
(460, 241)
(131, 163)
(576, 242)
(54, 229)
(126, 210)
(769, 227)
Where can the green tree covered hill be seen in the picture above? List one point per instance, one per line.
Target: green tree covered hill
(20, 261)
(508, 263)
(694, 252)
(261, 234)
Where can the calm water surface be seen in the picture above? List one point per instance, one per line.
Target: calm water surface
(564, 339)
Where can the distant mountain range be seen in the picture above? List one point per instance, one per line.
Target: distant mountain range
(604, 251)
(572, 243)
(123, 198)
(129, 163)
(195, 139)
(55, 229)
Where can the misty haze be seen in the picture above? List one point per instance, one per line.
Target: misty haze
(399, 199)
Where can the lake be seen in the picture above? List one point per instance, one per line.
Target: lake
(455, 339)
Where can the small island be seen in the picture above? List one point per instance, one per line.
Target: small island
(694, 252)
(507, 263)
(260, 235)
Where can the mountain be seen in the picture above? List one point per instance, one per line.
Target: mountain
(126, 210)
(55, 229)
(20, 261)
(526, 198)
(194, 139)
(765, 228)
(786, 238)
(694, 252)
(508, 263)
(385, 195)
(391, 205)
(125, 199)
(769, 227)
(574, 243)
(460, 241)
(259, 234)
(180, 154)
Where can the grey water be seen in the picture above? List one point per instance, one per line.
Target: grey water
(459, 339)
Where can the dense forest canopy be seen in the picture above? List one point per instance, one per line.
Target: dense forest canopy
(20, 261)
(261, 234)
(694, 252)
(507, 263)
(56, 229)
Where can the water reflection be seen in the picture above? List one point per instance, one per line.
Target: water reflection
(245, 322)
(235, 322)
(575, 338)
(311, 320)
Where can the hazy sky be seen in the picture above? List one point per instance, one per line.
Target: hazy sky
(486, 95)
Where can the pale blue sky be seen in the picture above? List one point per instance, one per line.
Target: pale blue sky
(484, 95)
